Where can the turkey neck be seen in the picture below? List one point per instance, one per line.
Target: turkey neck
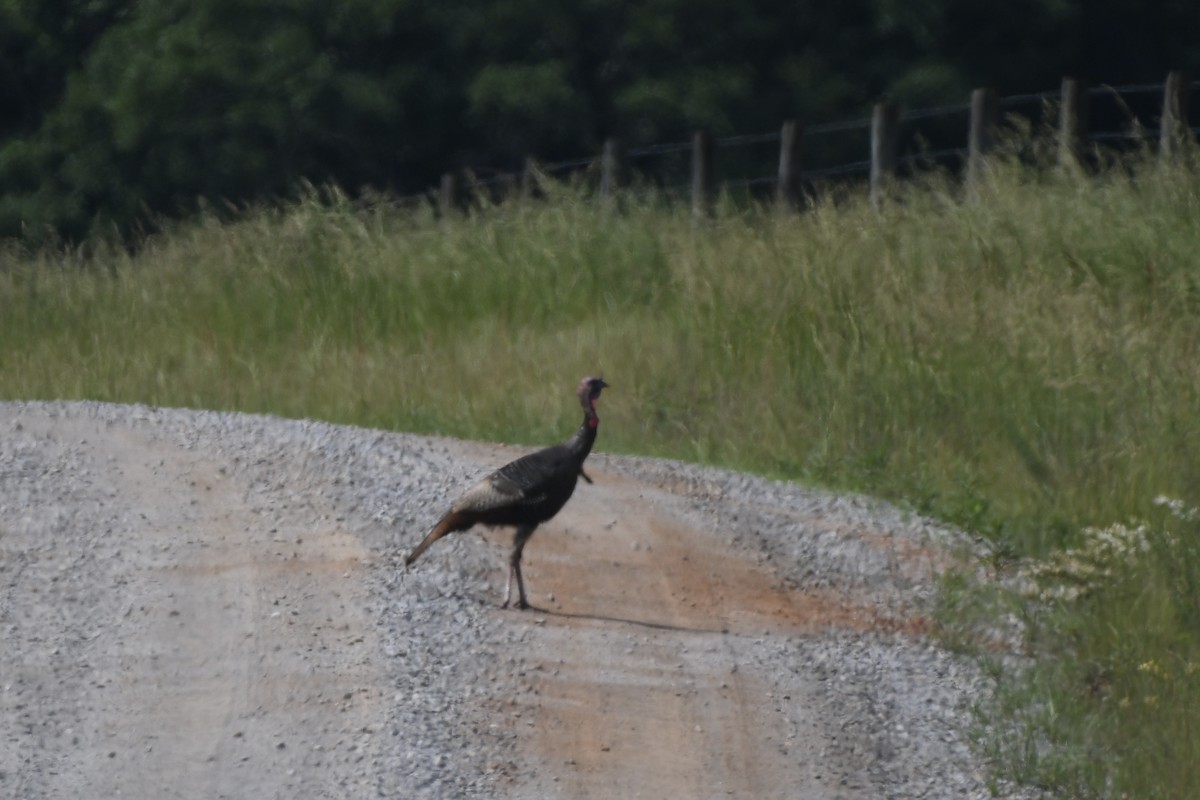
(581, 443)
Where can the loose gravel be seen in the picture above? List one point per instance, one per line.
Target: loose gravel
(349, 677)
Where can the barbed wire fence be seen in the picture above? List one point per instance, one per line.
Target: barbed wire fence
(1133, 115)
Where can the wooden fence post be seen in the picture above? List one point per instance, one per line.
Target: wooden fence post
(885, 139)
(981, 138)
(702, 177)
(529, 179)
(1174, 129)
(450, 195)
(789, 192)
(1072, 122)
(610, 169)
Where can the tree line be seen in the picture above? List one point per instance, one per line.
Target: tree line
(117, 112)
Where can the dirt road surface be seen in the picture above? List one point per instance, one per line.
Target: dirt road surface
(207, 606)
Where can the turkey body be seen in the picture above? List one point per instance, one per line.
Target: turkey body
(524, 493)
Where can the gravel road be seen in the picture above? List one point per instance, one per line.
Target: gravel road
(209, 605)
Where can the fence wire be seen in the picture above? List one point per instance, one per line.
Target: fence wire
(665, 149)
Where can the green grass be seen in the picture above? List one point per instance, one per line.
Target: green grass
(1107, 707)
(1023, 363)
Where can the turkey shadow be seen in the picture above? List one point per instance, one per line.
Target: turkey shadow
(656, 626)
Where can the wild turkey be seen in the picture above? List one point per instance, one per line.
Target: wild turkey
(526, 492)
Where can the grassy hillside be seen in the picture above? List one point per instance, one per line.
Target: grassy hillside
(1023, 364)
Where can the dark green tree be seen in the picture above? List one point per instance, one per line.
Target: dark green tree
(217, 100)
(115, 111)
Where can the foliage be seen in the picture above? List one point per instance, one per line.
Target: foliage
(1106, 708)
(123, 112)
(1022, 365)
(218, 100)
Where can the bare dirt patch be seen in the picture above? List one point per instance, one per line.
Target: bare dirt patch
(640, 685)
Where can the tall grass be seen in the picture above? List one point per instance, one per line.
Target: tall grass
(1023, 362)
(1107, 706)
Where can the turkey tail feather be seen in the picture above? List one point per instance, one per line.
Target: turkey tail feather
(448, 524)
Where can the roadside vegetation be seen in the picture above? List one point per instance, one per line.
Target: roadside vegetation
(1022, 362)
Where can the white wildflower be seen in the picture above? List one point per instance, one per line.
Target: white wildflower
(1074, 573)
(1177, 508)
